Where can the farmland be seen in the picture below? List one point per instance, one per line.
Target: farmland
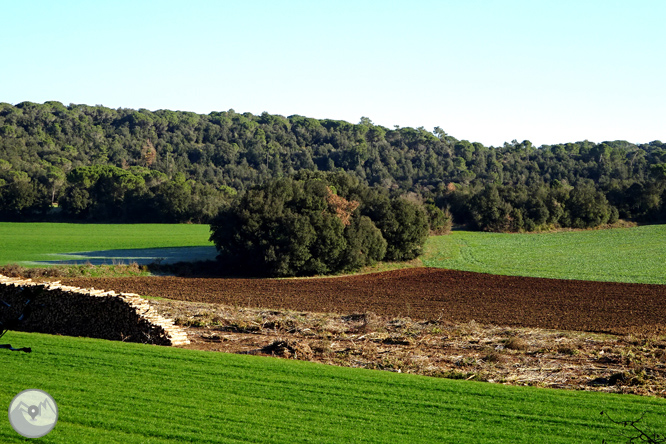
(621, 255)
(219, 397)
(29, 242)
(436, 347)
(428, 293)
(636, 254)
(132, 393)
(633, 254)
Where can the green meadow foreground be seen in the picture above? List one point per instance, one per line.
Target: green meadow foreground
(113, 392)
(21, 242)
(635, 254)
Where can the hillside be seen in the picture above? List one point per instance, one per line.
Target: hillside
(96, 163)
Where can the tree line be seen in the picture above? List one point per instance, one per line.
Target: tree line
(94, 163)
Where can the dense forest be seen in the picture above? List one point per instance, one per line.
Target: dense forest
(92, 163)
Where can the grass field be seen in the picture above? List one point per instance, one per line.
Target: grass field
(635, 254)
(27, 242)
(113, 392)
(623, 254)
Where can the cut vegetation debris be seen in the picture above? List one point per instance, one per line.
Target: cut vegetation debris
(516, 356)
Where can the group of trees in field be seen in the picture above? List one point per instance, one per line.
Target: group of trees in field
(317, 224)
(504, 208)
(139, 194)
(109, 193)
(94, 163)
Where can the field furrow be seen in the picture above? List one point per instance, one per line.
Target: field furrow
(428, 293)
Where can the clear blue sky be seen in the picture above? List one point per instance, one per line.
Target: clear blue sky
(483, 70)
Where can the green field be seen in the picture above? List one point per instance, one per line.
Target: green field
(27, 242)
(114, 392)
(623, 254)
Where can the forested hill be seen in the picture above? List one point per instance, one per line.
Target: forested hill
(95, 163)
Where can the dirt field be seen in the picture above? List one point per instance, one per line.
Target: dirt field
(429, 294)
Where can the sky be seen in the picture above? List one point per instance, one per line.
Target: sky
(487, 71)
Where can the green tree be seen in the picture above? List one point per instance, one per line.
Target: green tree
(403, 224)
(365, 244)
(587, 207)
(19, 196)
(56, 179)
(295, 227)
(489, 211)
(439, 221)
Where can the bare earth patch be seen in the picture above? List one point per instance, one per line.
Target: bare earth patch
(428, 293)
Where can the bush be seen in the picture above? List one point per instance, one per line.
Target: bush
(294, 228)
(403, 224)
(439, 221)
(291, 227)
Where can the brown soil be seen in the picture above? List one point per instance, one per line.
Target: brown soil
(428, 294)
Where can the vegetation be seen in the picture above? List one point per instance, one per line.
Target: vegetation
(71, 271)
(25, 242)
(622, 254)
(93, 163)
(132, 393)
(635, 432)
(321, 224)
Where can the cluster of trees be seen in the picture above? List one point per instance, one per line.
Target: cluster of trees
(521, 208)
(316, 224)
(583, 198)
(105, 192)
(109, 193)
(169, 157)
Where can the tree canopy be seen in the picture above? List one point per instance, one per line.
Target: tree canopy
(94, 163)
(289, 227)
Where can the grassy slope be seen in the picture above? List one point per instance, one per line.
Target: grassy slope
(34, 241)
(113, 392)
(623, 254)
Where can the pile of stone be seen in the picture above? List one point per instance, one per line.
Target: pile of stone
(59, 309)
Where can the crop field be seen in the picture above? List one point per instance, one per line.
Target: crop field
(428, 293)
(31, 242)
(116, 392)
(635, 254)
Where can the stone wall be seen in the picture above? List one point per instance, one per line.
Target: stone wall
(73, 311)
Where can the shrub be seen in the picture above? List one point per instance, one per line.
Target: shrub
(403, 224)
(439, 221)
(301, 227)
(292, 228)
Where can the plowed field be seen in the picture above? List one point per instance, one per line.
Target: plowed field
(428, 293)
